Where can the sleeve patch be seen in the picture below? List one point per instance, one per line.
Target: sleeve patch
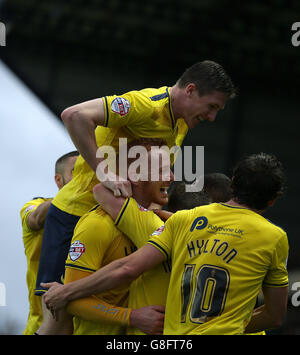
(29, 208)
(120, 105)
(158, 231)
(76, 250)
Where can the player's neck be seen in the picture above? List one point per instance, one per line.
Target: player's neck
(175, 101)
(140, 197)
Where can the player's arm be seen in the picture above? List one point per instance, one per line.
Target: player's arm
(116, 273)
(272, 313)
(78, 291)
(108, 201)
(81, 121)
(36, 219)
(163, 214)
(92, 308)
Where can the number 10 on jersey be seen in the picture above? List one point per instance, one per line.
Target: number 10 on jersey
(209, 296)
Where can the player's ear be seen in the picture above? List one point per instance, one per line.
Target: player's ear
(190, 88)
(59, 180)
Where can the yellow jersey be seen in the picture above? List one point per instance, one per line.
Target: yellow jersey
(221, 255)
(150, 288)
(32, 241)
(146, 113)
(97, 242)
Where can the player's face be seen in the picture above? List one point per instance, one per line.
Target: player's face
(68, 171)
(202, 108)
(160, 177)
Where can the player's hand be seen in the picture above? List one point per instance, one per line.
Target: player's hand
(149, 319)
(118, 185)
(163, 215)
(54, 298)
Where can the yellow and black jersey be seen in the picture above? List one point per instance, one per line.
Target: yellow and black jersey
(32, 240)
(221, 256)
(150, 288)
(96, 243)
(146, 113)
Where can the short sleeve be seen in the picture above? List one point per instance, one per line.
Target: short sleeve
(125, 110)
(92, 236)
(277, 275)
(27, 209)
(137, 222)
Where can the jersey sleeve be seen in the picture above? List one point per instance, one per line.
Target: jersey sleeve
(91, 239)
(137, 222)
(277, 275)
(125, 110)
(27, 209)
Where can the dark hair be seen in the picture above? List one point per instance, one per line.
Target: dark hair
(257, 180)
(61, 161)
(218, 187)
(179, 199)
(208, 76)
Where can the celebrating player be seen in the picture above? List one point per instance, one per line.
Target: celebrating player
(33, 215)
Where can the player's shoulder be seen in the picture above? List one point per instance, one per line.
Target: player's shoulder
(272, 226)
(95, 222)
(150, 96)
(33, 203)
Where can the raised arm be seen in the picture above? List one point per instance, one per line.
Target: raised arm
(81, 121)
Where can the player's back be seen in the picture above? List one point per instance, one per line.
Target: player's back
(220, 255)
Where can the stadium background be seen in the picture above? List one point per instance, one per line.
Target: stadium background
(69, 52)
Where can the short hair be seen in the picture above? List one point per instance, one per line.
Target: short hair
(208, 76)
(257, 180)
(179, 199)
(218, 187)
(60, 162)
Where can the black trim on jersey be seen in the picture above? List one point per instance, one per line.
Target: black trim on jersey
(123, 210)
(159, 96)
(94, 208)
(79, 267)
(170, 109)
(276, 285)
(107, 112)
(241, 208)
(161, 248)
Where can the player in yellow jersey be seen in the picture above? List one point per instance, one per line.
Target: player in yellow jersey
(138, 223)
(95, 243)
(33, 215)
(222, 254)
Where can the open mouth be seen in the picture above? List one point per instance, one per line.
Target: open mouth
(164, 190)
